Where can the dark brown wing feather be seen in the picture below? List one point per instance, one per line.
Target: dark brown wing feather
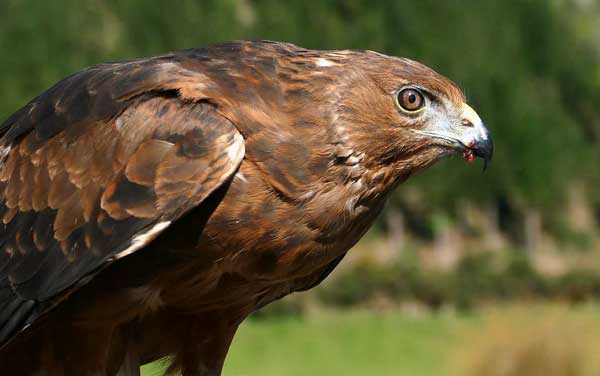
(93, 170)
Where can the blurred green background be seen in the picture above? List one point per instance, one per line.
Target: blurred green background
(465, 273)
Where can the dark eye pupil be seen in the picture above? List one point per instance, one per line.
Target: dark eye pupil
(410, 100)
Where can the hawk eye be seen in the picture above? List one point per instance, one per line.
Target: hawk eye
(411, 100)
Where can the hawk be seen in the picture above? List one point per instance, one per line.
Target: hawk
(148, 206)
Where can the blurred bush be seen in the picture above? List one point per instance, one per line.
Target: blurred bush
(477, 280)
(578, 286)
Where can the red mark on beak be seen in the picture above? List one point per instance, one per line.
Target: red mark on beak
(468, 155)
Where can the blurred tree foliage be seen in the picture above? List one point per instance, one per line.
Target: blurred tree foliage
(530, 68)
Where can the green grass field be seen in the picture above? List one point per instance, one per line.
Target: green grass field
(396, 344)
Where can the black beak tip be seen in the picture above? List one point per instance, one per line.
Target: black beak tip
(484, 149)
(485, 165)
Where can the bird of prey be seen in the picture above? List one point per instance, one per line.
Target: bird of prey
(148, 206)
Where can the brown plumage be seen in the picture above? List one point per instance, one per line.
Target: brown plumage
(148, 206)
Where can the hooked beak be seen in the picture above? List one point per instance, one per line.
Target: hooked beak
(469, 136)
(484, 150)
(477, 141)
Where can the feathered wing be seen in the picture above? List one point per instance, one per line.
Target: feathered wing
(94, 169)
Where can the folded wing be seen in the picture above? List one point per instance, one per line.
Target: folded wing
(94, 169)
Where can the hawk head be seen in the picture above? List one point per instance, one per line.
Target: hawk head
(404, 115)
